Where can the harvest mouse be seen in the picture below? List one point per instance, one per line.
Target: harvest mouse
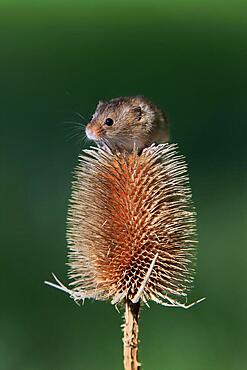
(127, 123)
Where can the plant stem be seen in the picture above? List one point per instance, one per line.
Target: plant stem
(130, 338)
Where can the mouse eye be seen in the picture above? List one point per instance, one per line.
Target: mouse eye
(109, 121)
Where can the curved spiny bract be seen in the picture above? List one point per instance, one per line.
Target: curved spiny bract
(131, 226)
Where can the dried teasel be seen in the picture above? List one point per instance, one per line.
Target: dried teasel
(131, 227)
(131, 233)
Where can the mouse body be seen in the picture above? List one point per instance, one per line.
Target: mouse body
(127, 123)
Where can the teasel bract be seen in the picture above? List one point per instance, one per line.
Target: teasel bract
(131, 227)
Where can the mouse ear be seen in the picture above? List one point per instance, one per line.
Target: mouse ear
(100, 103)
(138, 112)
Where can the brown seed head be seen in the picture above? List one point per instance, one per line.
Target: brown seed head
(131, 226)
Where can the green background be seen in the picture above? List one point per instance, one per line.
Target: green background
(61, 57)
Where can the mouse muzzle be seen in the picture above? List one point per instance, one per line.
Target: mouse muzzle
(93, 133)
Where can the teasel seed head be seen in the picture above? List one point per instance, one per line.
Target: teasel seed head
(131, 227)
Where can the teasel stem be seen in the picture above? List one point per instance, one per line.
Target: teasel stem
(130, 338)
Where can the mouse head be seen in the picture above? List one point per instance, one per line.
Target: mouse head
(123, 123)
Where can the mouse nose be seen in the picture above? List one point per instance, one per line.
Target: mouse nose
(91, 133)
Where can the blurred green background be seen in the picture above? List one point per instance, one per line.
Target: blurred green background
(61, 57)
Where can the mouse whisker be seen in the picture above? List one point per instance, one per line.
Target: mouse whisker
(80, 115)
(74, 131)
(72, 136)
(73, 123)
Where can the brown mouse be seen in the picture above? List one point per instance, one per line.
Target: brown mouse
(125, 123)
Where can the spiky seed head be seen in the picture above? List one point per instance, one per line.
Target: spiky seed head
(131, 226)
